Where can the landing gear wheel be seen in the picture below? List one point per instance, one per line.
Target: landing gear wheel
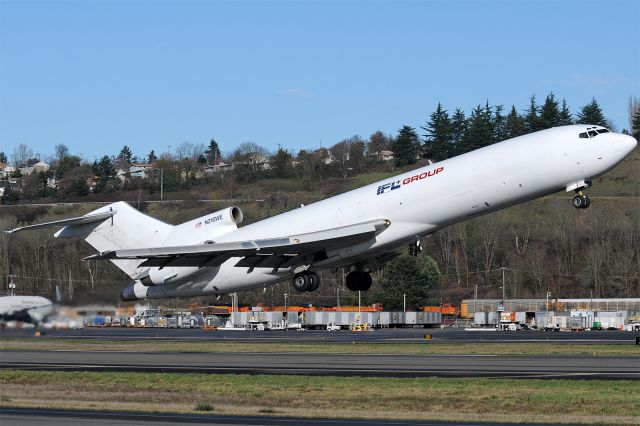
(365, 283)
(315, 281)
(351, 281)
(302, 282)
(358, 281)
(581, 201)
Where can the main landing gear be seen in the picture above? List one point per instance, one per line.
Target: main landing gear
(306, 281)
(358, 281)
(310, 281)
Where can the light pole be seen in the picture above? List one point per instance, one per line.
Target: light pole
(502, 285)
(12, 287)
(338, 290)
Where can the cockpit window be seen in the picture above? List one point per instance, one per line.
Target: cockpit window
(592, 132)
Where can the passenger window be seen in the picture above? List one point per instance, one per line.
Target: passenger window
(603, 131)
(593, 133)
(584, 135)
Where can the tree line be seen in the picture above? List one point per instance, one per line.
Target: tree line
(444, 135)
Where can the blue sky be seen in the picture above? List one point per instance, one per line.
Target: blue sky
(96, 75)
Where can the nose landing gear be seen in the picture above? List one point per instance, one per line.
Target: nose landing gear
(581, 201)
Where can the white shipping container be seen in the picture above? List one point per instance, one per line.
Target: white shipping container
(480, 318)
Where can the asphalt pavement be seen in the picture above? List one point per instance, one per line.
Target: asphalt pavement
(24, 417)
(389, 335)
(327, 364)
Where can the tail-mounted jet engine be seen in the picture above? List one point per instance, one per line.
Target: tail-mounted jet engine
(202, 230)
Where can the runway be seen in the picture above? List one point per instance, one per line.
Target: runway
(24, 417)
(391, 336)
(327, 364)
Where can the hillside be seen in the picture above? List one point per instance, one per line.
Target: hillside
(545, 245)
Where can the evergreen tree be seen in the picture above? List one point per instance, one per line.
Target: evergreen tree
(592, 114)
(213, 152)
(125, 155)
(479, 131)
(499, 124)
(549, 113)
(437, 140)
(3, 157)
(514, 124)
(531, 118)
(404, 276)
(565, 115)
(81, 188)
(458, 127)
(406, 146)
(281, 164)
(10, 196)
(66, 164)
(635, 125)
(151, 158)
(105, 171)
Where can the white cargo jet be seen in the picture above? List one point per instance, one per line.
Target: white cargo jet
(357, 230)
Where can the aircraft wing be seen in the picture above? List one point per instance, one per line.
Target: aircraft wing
(262, 253)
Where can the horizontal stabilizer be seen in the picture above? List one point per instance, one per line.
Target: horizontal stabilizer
(82, 220)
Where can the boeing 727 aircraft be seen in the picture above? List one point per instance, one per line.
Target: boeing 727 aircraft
(358, 230)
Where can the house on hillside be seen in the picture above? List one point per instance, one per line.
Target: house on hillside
(324, 155)
(382, 155)
(220, 167)
(257, 159)
(141, 170)
(36, 167)
(121, 175)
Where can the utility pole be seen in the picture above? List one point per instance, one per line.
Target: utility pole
(161, 185)
(404, 303)
(12, 287)
(475, 301)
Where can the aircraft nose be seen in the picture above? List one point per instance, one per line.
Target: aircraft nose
(631, 141)
(628, 143)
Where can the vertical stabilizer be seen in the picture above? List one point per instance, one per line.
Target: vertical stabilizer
(128, 228)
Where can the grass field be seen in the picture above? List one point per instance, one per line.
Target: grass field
(152, 345)
(499, 400)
